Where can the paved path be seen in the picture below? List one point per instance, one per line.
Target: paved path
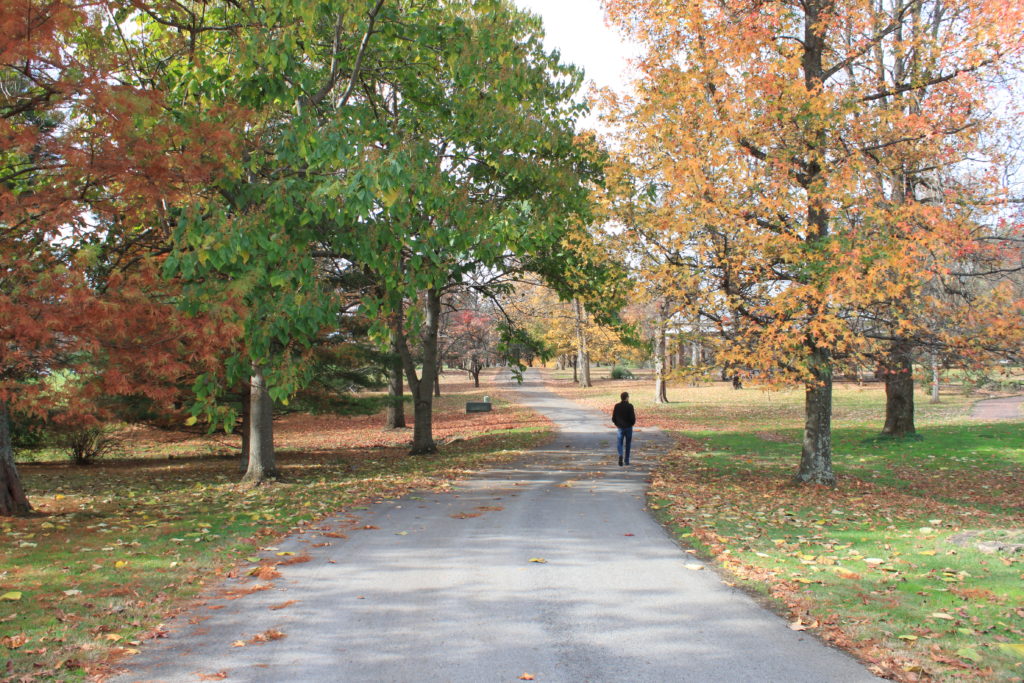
(434, 594)
(1008, 408)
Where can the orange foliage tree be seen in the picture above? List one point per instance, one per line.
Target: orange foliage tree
(87, 166)
(794, 147)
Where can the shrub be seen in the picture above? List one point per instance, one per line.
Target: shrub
(86, 444)
(619, 372)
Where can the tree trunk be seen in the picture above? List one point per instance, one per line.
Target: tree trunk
(395, 416)
(476, 376)
(262, 464)
(660, 392)
(695, 354)
(437, 379)
(899, 393)
(582, 355)
(816, 458)
(13, 500)
(935, 378)
(243, 462)
(422, 387)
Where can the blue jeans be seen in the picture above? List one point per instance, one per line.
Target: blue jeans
(625, 435)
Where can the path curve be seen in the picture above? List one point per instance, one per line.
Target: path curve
(1007, 408)
(443, 588)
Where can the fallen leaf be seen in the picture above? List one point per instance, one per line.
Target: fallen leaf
(969, 653)
(238, 643)
(942, 615)
(267, 636)
(693, 566)
(527, 677)
(538, 560)
(907, 637)
(798, 626)
(283, 604)
(14, 642)
(217, 676)
(11, 595)
(265, 572)
(285, 553)
(627, 534)
(1013, 648)
(465, 515)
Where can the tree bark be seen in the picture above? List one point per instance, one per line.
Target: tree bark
(243, 462)
(582, 355)
(13, 500)
(575, 373)
(437, 379)
(695, 354)
(935, 378)
(899, 393)
(395, 416)
(421, 387)
(816, 458)
(660, 392)
(262, 464)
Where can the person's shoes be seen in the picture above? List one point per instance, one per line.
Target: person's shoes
(627, 462)
(620, 462)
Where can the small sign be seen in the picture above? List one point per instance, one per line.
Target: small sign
(478, 407)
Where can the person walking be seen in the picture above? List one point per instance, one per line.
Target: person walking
(624, 417)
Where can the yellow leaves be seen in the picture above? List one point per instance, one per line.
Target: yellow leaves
(941, 615)
(1013, 648)
(969, 653)
(11, 595)
(120, 564)
(389, 197)
(909, 638)
(526, 677)
(538, 560)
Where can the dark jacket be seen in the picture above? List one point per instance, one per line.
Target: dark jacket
(624, 415)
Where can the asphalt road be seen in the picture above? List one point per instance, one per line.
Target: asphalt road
(443, 589)
(1007, 408)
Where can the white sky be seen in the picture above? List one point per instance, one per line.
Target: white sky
(576, 28)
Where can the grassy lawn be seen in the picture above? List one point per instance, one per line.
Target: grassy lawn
(887, 565)
(118, 546)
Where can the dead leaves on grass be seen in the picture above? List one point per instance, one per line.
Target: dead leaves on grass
(798, 533)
